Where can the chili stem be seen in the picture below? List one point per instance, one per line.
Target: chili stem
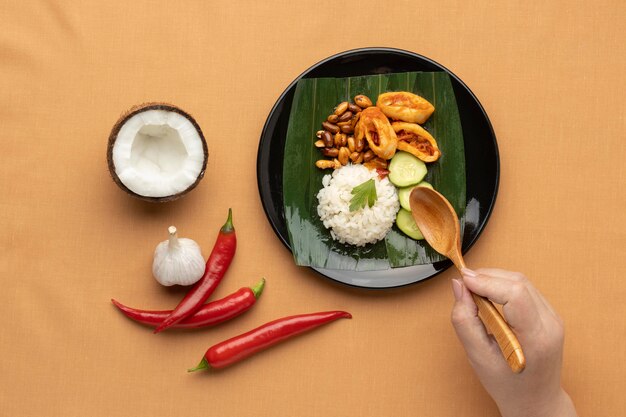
(228, 226)
(258, 288)
(204, 364)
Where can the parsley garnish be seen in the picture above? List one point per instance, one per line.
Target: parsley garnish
(363, 194)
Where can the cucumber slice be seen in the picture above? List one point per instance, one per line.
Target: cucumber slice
(405, 192)
(405, 222)
(405, 169)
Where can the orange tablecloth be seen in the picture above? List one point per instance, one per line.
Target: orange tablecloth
(550, 75)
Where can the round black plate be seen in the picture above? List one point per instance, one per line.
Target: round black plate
(482, 163)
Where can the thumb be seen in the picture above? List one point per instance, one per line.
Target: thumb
(470, 330)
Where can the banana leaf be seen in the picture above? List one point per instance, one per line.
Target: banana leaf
(314, 99)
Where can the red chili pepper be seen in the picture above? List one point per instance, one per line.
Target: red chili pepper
(209, 314)
(216, 266)
(240, 347)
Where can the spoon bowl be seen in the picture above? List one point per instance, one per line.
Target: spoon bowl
(438, 222)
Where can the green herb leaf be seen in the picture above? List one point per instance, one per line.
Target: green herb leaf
(363, 194)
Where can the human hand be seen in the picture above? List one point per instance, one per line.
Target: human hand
(537, 391)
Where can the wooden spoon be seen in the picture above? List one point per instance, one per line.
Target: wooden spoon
(439, 224)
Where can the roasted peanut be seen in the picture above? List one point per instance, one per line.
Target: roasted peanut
(363, 101)
(353, 108)
(319, 143)
(318, 134)
(351, 143)
(333, 118)
(359, 159)
(344, 155)
(380, 162)
(340, 140)
(346, 129)
(345, 117)
(332, 128)
(355, 120)
(332, 152)
(368, 155)
(327, 138)
(341, 107)
(370, 165)
(359, 144)
(354, 156)
(325, 164)
(337, 163)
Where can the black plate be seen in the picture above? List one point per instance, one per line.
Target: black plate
(482, 163)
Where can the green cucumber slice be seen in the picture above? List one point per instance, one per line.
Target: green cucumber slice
(405, 192)
(405, 222)
(405, 169)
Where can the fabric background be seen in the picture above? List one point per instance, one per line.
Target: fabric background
(550, 75)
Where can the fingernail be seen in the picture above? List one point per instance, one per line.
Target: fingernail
(468, 273)
(457, 289)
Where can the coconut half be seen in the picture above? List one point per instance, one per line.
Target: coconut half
(157, 152)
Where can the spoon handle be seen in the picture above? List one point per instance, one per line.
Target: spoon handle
(494, 322)
(499, 328)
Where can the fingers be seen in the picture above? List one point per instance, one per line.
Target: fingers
(490, 283)
(516, 276)
(470, 330)
(512, 290)
(519, 277)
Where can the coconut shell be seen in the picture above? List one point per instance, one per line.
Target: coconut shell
(113, 137)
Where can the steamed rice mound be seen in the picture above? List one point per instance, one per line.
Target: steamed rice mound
(363, 226)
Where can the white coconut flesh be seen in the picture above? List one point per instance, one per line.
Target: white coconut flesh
(158, 153)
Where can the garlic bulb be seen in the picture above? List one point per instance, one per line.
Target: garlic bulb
(177, 261)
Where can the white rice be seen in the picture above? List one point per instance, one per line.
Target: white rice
(363, 226)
